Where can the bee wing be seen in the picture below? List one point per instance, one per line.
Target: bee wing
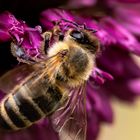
(21, 74)
(14, 77)
(70, 121)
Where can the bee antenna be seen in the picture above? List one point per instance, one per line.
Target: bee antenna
(89, 29)
(72, 22)
(78, 26)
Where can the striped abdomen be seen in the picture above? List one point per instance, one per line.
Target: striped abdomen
(28, 104)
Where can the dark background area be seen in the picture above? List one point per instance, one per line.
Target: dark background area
(29, 11)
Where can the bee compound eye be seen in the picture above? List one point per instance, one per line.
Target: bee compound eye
(77, 35)
(80, 37)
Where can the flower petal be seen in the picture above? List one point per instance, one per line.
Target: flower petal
(118, 62)
(123, 37)
(100, 103)
(124, 69)
(7, 21)
(29, 39)
(125, 89)
(93, 127)
(58, 14)
(134, 86)
(99, 76)
(51, 15)
(124, 13)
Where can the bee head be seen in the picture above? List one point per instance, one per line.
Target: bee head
(77, 51)
(79, 36)
(85, 39)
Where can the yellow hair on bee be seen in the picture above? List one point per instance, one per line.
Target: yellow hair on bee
(73, 77)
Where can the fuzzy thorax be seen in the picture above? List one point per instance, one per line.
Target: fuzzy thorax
(76, 64)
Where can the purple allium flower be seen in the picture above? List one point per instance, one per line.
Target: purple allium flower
(98, 106)
(29, 38)
(127, 14)
(117, 42)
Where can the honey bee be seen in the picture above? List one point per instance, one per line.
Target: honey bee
(52, 87)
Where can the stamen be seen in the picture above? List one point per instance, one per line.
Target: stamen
(89, 29)
(72, 22)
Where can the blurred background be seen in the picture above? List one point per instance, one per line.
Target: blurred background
(126, 125)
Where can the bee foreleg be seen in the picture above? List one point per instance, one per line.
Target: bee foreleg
(46, 43)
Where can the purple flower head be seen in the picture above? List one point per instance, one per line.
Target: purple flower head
(65, 19)
(23, 36)
(123, 37)
(26, 38)
(99, 103)
(116, 73)
(99, 76)
(49, 17)
(125, 72)
(123, 14)
(118, 22)
(10, 25)
(5, 24)
(117, 41)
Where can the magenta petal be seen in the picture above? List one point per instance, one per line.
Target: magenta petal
(32, 41)
(93, 127)
(119, 63)
(100, 103)
(125, 71)
(134, 86)
(121, 35)
(4, 36)
(48, 16)
(58, 14)
(125, 90)
(7, 21)
(99, 76)
(105, 38)
(124, 13)
(28, 38)
(10, 24)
